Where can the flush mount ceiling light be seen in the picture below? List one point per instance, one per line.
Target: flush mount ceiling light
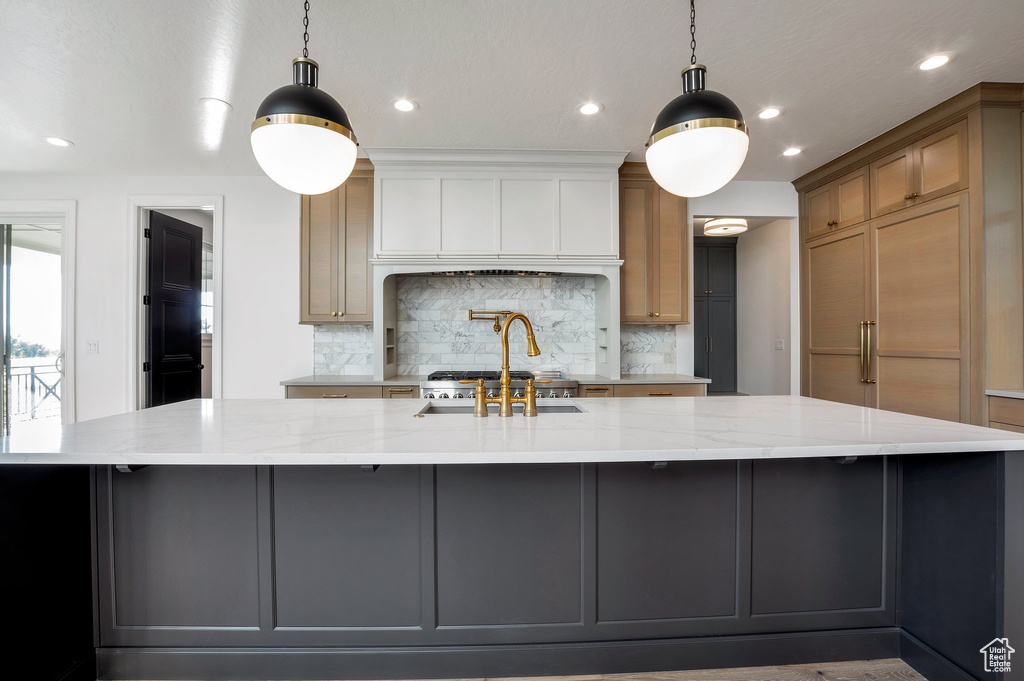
(934, 62)
(792, 151)
(404, 104)
(724, 226)
(699, 140)
(770, 112)
(59, 142)
(301, 137)
(590, 108)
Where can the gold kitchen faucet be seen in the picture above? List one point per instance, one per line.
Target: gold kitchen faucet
(504, 398)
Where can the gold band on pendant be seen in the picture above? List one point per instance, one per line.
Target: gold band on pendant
(303, 119)
(696, 124)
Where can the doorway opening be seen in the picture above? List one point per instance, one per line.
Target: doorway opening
(745, 308)
(36, 316)
(175, 348)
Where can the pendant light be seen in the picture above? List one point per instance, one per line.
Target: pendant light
(699, 140)
(301, 137)
(724, 226)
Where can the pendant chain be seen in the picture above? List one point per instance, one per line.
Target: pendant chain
(693, 33)
(305, 31)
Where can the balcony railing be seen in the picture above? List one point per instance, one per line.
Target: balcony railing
(35, 389)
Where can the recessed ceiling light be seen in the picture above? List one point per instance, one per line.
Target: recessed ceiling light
(770, 112)
(590, 108)
(215, 103)
(933, 62)
(60, 142)
(404, 104)
(792, 151)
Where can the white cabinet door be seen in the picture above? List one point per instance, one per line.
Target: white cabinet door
(409, 211)
(468, 216)
(528, 217)
(588, 212)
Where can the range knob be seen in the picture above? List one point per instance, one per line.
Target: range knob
(566, 394)
(491, 394)
(517, 394)
(553, 394)
(429, 396)
(459, 395)
(443, 396)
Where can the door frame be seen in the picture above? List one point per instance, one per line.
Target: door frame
(67, 212)
(136, 326)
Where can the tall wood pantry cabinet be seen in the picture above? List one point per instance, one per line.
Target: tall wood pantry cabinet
(654, 247)
(893, 307)
(336, 242)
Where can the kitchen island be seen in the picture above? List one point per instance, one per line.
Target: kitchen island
(271, 539)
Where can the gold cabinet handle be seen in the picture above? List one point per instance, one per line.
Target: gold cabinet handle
(913, 195)
(400, 390)
(867, 348)
(596, 388)
(863, 355)
(650, 314)
(657, 314)
(341, 314)
(659, 394)
(327, 396)
(334, 314)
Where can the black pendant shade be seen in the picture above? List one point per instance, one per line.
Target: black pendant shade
(304, 98)
(695, 104)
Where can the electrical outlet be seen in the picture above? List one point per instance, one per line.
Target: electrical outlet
(780, 345)
(92, 347)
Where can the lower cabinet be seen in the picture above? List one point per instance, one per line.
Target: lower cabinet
(294, 556)
(643, 390)
(1006, 413)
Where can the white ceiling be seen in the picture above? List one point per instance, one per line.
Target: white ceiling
(122, 78)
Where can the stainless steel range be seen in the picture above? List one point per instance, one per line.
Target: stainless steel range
(445, 384)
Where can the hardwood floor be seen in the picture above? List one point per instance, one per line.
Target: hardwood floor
(861, 670)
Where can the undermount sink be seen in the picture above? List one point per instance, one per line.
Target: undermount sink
(466, 408)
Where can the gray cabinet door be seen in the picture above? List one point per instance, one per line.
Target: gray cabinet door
(721, 272)
(700, 337)
(721, 356)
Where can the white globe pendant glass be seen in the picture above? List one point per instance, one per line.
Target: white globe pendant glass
(303, 158)
(697, 162)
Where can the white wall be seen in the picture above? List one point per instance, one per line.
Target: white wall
(763, 309)
(737, 199)
(263, 343)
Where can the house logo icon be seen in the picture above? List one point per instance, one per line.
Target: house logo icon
(997, 654)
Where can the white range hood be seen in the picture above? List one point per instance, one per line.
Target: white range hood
(480, 209)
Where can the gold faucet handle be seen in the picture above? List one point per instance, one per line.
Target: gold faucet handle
(538, 380)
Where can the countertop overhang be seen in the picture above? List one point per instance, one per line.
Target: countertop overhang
(385, 432)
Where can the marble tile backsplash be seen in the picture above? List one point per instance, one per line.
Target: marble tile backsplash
(648, 349)
(435, 334)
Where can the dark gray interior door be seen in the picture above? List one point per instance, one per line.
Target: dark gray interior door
(714, 312)
(173, 310)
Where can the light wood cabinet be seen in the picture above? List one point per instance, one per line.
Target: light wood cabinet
(932, 167)
(661, 390)
(349, 392)
(643, 390)
(837, 298)
(336, 242)
(1006, 413)
(654, 247)
(920, 301)
(837, 205)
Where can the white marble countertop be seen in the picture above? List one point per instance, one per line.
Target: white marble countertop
(585, 379)
(284, 432)
(1012, 394)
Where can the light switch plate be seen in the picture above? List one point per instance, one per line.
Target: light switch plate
(92, 347)
(780, 345)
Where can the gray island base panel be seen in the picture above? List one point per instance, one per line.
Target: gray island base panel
(676, 533)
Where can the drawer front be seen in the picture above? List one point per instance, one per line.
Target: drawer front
(1006, 410)
(401, 392)
(317, 392)
(662, 390)
(596, 390)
